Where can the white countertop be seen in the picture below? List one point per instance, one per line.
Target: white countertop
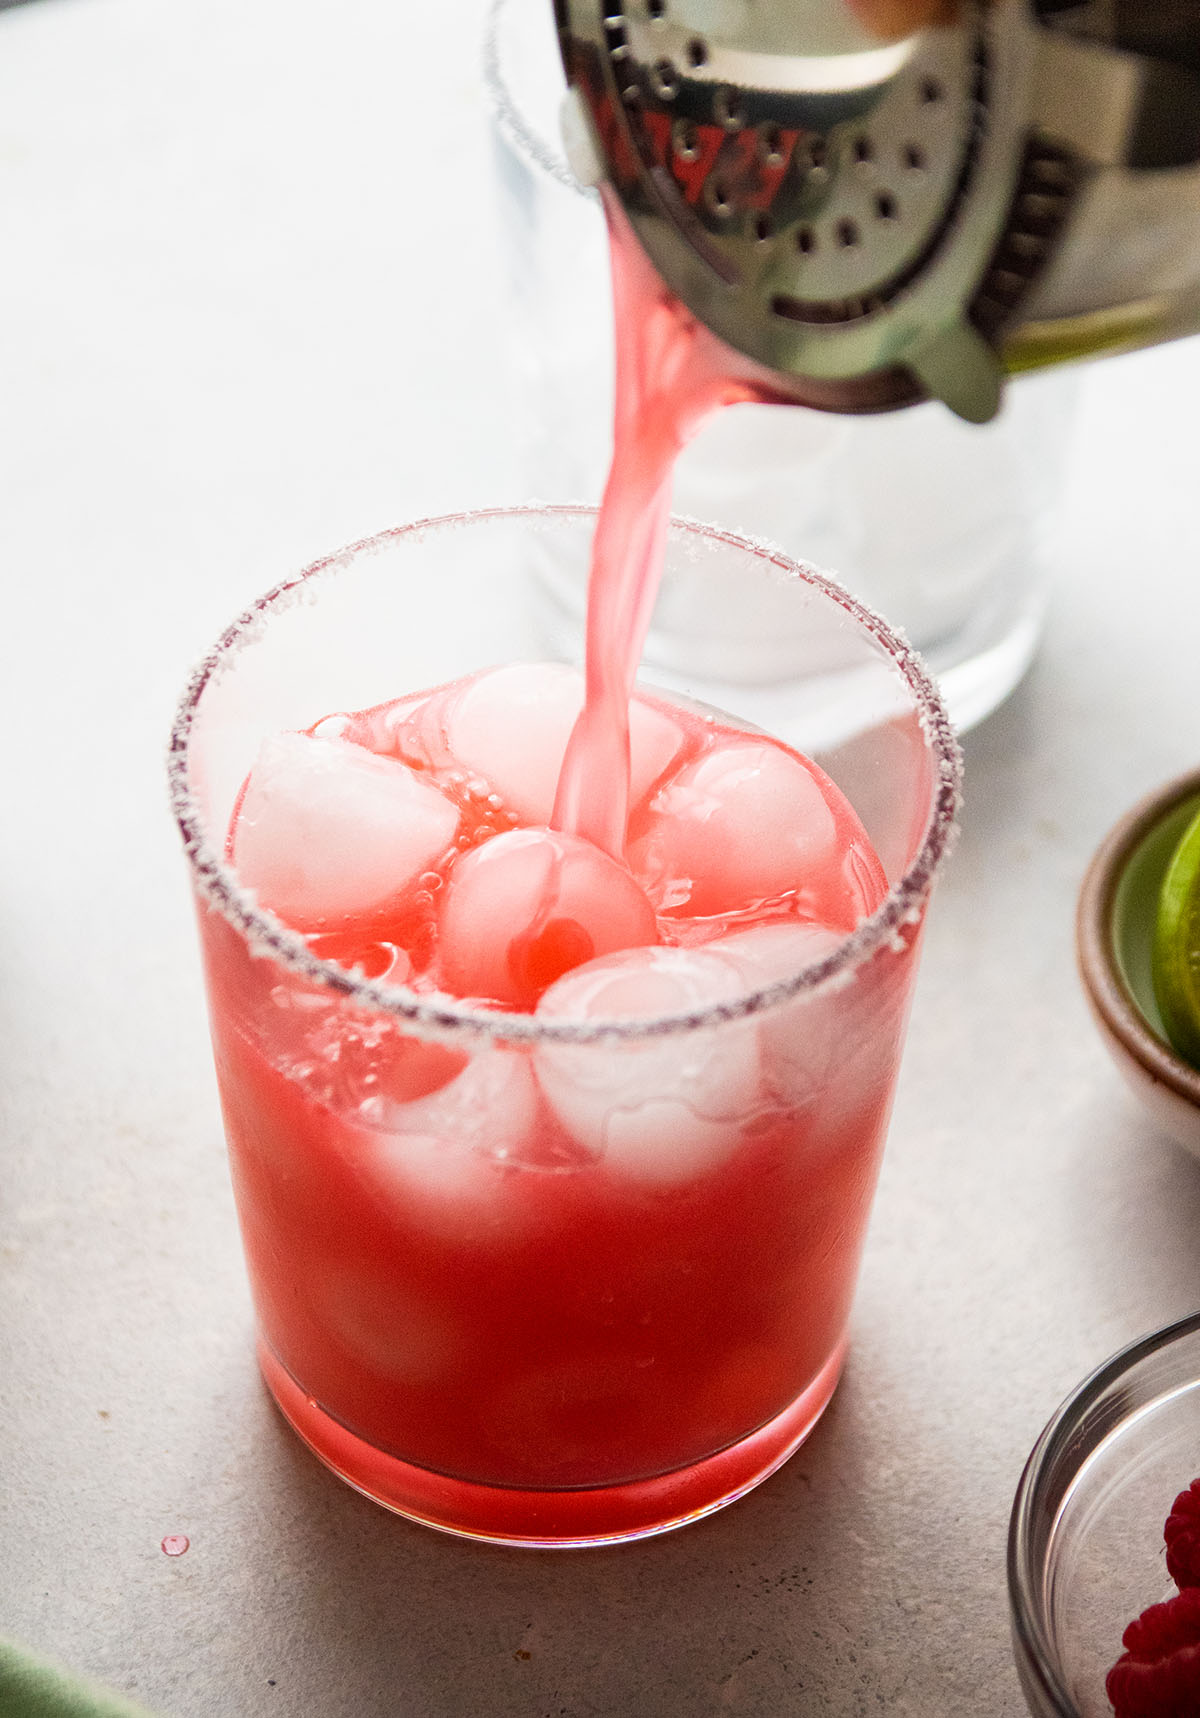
(243, 321)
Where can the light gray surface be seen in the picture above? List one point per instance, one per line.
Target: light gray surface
(226, 346)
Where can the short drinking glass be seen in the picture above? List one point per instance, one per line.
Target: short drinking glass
(566, 1280)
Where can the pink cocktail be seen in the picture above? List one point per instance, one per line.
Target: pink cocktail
(553, 1166)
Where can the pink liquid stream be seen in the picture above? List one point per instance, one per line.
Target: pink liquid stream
(671, 374)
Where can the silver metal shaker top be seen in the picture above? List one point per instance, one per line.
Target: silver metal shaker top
(877, 224)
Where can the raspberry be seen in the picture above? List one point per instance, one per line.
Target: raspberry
(1158, 1674)
(1182, 1534)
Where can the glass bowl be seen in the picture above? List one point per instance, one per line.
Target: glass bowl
(1085, 1546)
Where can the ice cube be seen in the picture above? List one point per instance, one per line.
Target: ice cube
(747, 822)
(437, 1149)
(800, 1038)
(769, 954)
(658, 1109)
(326, 830)
(528, 906)
(512, 724)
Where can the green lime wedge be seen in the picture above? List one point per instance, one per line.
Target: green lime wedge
(1176, 960)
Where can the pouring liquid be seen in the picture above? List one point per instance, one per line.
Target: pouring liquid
(671, 374)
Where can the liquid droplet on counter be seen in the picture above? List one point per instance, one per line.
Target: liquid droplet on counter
(175, 1544)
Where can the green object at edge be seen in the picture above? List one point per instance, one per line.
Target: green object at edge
(31, 1688)
(1177, 946)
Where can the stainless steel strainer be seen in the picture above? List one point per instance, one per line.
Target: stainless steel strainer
(882, 224)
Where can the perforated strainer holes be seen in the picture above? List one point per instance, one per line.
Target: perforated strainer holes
(914, 158)
(847, 233)
(666, 80)
(1055, 172)
(930, 90)
(886, 207)
(810, 159)
(717, 198)
(806, 241)
(1028, 246)
(656, 9)
(863, 151)
(615, 38)
(697, 52)
(1039, 210)
(727, 110)
(685, 140)
(770, 146)
(763, 227)
(1039, 207)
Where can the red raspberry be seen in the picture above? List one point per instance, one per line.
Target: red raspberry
(1182, 1534)
(1158, 1674)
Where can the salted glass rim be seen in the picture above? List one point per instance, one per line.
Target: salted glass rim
(509, 117)
(441, 1016)
(1058, 1460)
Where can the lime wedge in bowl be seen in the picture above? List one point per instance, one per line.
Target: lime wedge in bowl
(1176, 953)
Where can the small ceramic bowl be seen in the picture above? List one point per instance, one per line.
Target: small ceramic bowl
(1114, 931)
(1085, 1546)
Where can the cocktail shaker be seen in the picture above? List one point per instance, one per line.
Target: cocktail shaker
(878, 224)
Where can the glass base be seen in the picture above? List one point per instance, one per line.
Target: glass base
(546, 1520)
